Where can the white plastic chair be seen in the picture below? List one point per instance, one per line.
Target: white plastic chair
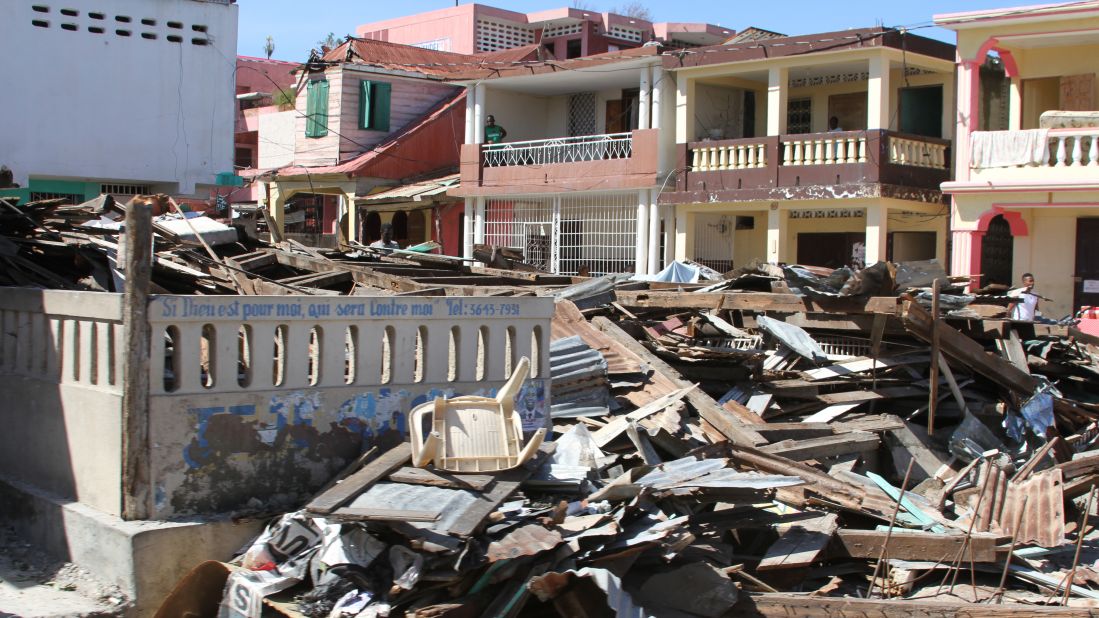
(474, 434)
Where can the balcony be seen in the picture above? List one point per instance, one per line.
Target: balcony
(809, 166)
(585, 163)
(1072, 157)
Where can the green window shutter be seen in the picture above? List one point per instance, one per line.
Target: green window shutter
(366, 90)
(316, 109)
(379, 108)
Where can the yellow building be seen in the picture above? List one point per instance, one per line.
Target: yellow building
(1026, 199)
(825, 149)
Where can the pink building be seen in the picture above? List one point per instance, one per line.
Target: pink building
(565, 32)
(259, 81)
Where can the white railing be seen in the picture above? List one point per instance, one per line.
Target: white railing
(825, 149)
(560, 150)
(730, 156)
(918, 153)
(1074, 147)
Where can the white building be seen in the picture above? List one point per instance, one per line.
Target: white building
(123, 96)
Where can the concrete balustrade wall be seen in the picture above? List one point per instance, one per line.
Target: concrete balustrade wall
(61, 384)
(260, 399)
(254, 402)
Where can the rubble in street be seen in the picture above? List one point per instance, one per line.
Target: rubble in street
(773, 441)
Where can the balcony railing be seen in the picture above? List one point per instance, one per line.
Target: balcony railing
(762, 164)
(1074, 147)
(560, 150)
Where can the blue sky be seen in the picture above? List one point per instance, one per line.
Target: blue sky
(296, 27)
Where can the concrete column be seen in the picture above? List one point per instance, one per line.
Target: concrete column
(644, 113)
(778, 95)
(479, 221)
(684, 232)
(968, 119)
(654, 233)
(641, 260)
(684, 110)
(878, 94)
(669, 233)
(948, 109)
(479, 114)
(1015, 105)
(471, 124)
(277, 211)
(352, 216)
(877, 218)
(776, 229)
(965, 254)
(467, 229)
(659, 88)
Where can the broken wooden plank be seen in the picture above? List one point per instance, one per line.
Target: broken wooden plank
(771, 605)
(914, 545)
(348, 513)
(825, 446)
(831, 413)
(707, 408)
(355, 484)
(860, 365)
(776, 432)
(799, 545)
(438, 478)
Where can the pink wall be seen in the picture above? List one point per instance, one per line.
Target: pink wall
(257, 74)
(455, 23)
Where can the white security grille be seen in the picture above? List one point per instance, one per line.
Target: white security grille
(565, 30)
(495, 35)
(560, 150)
(594, 233)
(74, 198)
(626, 34)
(436, 44)
(582, 114)
(713, 241)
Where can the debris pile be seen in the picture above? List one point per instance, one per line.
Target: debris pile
(782, 440)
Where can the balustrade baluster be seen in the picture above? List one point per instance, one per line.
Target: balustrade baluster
(862, 149)
(1077, 150)
(829, 151)
(723, 157)
(818, 152)
(751, 157)
(796, 146)
(761, 160)
(1060, 151)
(1093, 151)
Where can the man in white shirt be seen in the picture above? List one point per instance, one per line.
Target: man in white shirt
(1025, 308)
(386, 241)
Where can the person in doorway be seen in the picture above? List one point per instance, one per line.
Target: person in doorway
(494, 133)
(834, 125)
(386, 241)
(1024, 305)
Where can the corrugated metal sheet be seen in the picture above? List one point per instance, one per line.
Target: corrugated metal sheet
(568, 322)
(1044, 517)
(524, 541)
(415, 191)
(579, 377)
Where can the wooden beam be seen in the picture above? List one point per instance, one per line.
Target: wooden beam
(826, 446)
(799, 545)
(914, 545)
(355, 484)
(778, 605)
(136, 337)
(438, 478)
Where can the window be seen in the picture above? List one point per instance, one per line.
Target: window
(316, 109)
(799, 116)
(374, 105)
(242, 158)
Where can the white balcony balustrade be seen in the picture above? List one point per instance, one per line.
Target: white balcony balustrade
(559, 150)
(1074, 147)
(825, 149)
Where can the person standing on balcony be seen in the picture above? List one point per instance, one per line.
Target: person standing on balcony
(834, 125)
(494, 133)
(1024, 305)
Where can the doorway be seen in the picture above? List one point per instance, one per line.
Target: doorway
(831, 249)
(922, 111)
(997, 253)
(1087, 263)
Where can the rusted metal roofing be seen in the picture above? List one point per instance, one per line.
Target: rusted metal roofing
(1044, 516)
(416, 191)
(524, 541)
(394, 56)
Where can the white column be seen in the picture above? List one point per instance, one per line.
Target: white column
(684, 110)
(654, 232)
(878, 94)
(471, 121)
(467, 229)
(778, 94)
(479, 221)
(683, 232)
(775, 230)
(479, 114)
(968, 119)
(643, 111)
(877, 217)
(641, 263)
(659, 88)
(1015, 105)
(669, 232)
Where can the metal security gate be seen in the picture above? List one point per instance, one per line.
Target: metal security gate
(593, 233)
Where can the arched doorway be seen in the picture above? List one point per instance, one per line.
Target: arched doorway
(400, 227)
(416, 227)
(997, 252)
(372, 227)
